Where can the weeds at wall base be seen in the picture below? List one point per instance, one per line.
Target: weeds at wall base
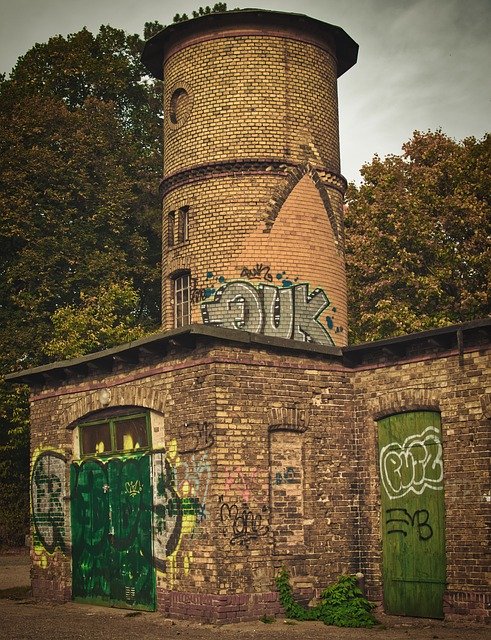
(341, 604)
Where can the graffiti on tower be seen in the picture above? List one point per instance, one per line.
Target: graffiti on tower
(282, 312)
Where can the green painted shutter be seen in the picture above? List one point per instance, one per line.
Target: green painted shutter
(413, 523)
(112, 532)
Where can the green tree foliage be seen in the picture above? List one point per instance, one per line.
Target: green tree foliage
(417, 235)
(218, 7)
(14, 465)
(78, 212)
(80, 139)
(79, 168)
(105, 319)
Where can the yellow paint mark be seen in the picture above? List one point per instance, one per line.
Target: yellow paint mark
(188, 558)
(172, 452)
(127, 442)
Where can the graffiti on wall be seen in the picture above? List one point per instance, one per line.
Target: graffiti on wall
(401, 521)
(48, 491)
(284, 312)
(179, 504)
(414, 465)
(195, 436)
(290, 475)
(259, 270)
(244, 484)
(241, 524)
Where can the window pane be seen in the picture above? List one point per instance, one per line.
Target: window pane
(131, 434)
(183, 224)
(182, 306)
(96, 438)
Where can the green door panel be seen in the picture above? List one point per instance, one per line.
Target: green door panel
(111, 532)
(413, 522)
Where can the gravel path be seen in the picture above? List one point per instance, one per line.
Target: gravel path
(22, 618)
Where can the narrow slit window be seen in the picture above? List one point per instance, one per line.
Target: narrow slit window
(171, 225)
(183, 231)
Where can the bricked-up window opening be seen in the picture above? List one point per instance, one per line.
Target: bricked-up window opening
(121, 433)
(180, 105)
(171, 225)
(183, 225)
(182, 300)
(287, 490)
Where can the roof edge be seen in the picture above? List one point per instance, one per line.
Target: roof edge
(173, 337)
(446, 338)
(155, 48)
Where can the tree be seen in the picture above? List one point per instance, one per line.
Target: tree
(218, 7)
(78, 178)
(14, 465)
(105, 319)
(79, 168)
(77, 213)
(417, 238)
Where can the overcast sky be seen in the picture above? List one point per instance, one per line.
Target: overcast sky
(422, 64)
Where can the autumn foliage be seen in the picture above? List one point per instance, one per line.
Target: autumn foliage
(417, 234)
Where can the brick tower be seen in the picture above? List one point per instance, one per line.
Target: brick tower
(252, 192)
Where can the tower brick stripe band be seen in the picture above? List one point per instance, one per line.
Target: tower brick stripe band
(269, 166)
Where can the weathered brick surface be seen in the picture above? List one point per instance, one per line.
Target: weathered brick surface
(260, 116)
(281, 450)
(252, 96)
(453, 386)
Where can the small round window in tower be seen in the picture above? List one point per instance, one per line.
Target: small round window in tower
(180, 106)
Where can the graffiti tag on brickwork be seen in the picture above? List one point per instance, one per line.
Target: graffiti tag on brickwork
(243, 484)
(48, 489)
(290, 475)
(413, 466)
(258, 271)
(242, 523)
(195, 436)
(282, 312)
(179, 505)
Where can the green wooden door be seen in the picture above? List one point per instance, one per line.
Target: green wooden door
(111, 532)
(413, 533)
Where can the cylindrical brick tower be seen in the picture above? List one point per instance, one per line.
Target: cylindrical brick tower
(252, 192)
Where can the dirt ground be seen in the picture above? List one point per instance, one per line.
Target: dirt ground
(22, 618)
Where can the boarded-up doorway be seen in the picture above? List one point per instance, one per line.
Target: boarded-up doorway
(413, 524)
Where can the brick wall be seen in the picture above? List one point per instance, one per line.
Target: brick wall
(278, 450)
(252, 148)
(453, 386)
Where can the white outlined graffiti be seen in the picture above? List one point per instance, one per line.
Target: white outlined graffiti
(289, 312)
(414, 465)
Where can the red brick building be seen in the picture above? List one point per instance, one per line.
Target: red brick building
(181, 471)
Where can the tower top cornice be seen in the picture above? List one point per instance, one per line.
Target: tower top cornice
(249, 22)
